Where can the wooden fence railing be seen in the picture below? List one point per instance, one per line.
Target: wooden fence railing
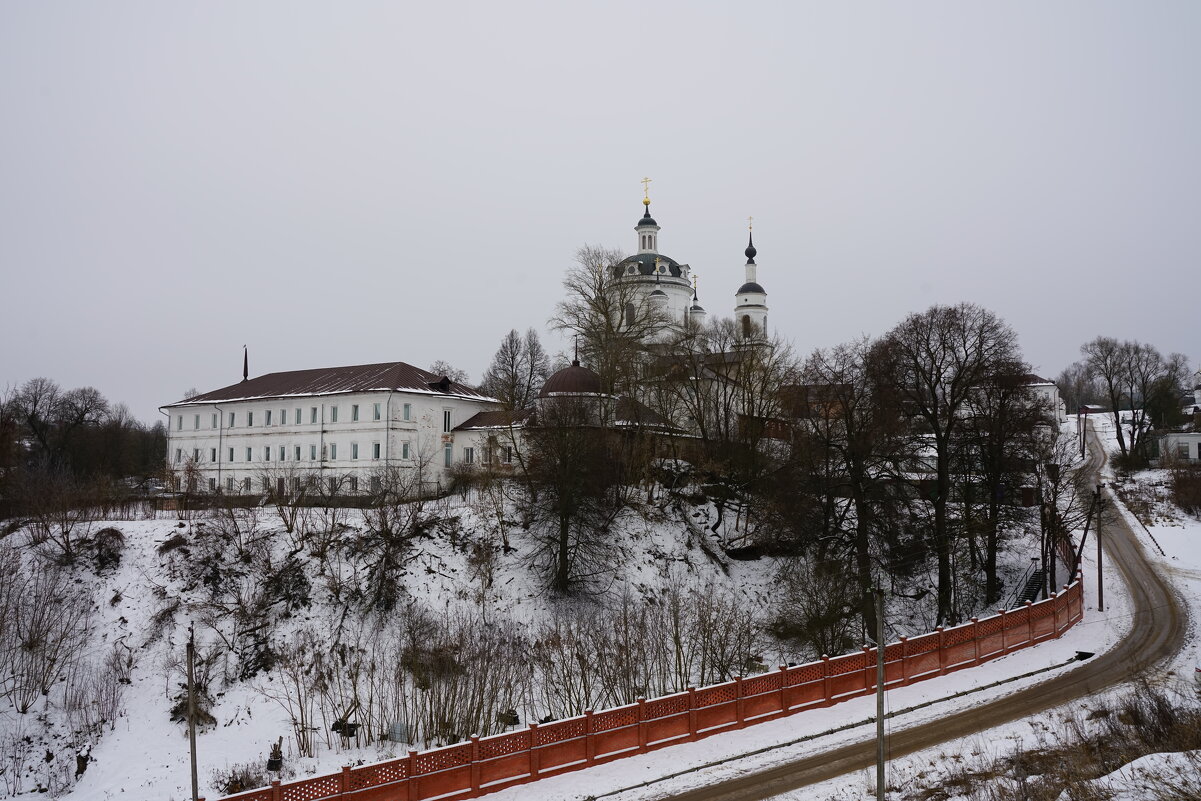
(484, 765)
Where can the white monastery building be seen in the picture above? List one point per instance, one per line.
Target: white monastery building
(344, 424)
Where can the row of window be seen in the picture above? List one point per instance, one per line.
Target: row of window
(268, 417)
(329, 451)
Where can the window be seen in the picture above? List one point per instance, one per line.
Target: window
(353, 481)
(231, 454)
(333, 485)
(296, 484)
(246, 485)
(250, 419)
(178, 454)
(448, 452)
(212, 454)
(266, 484)
(506, 454)
(196, 454)
(267, 453)
(179, 423)
(283, 454)
(279, 486)
(1182, 450)
(297, 453)
(375, 411)
(312, 453)
(196, 422)
(267, 418)
(298, 415)
(283, 417)
(231, 419)
(446, 417)
(229, 484)
(212, 485)
(333, 450)
(407, 411)
(354, 412)
(313, 415)
(1199, 450)
(376, 484)
(333, 414)
(214, 425)
(375, 450)
(249, 455)
(404, 450)
(469, 455)
(354, 450)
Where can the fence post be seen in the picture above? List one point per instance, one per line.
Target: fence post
(589, 738)
(535, 754)
(826, 677)
(1004, 630)
(1030, 622)
(738, 705)
(942, 653)
(276, 793)
(346, 778)
(641, 724)
(783, 689)
(413, 776)
(904, 660)
(869, 668)
(475, 762)
(691, 713)
(975, 640)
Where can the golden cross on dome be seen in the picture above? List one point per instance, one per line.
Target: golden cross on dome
(646, 191)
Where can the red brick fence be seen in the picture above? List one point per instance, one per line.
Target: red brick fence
(487, 764)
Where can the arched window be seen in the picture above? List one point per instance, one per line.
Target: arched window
(746, 325)
(629, 315)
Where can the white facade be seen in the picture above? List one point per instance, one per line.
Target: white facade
(1048, 396)
(257, 445)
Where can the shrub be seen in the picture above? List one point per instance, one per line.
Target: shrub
(1186, 489)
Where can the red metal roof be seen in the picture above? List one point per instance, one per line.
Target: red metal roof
(389, 376)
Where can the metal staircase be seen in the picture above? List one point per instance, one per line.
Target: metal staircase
(1031, 589)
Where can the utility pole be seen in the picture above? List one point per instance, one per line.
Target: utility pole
(192, 709)
(1100, 577)
(879, 694)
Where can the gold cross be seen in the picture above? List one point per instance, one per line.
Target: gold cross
(748, 223)
(646, 189)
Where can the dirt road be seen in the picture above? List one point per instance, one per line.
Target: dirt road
(1157, 634)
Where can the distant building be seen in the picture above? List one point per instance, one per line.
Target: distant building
(338, 425)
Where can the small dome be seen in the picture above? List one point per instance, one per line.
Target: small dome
(645, 265)
(573, 380)
(647, 219)
(750, 249)
(750, 286)
(696, 307)
(658, 292)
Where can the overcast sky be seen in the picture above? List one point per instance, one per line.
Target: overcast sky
(346, 183)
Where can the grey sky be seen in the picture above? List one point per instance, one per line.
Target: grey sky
(343, 183)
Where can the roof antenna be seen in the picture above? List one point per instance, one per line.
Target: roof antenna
(575, 359)
(245, 363)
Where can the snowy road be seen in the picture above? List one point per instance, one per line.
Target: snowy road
(1158, 633)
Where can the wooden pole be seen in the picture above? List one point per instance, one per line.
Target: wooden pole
(192, 709)
(880, 694)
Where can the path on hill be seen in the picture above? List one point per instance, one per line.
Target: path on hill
(1157, 633)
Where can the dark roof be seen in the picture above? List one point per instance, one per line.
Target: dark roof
(333, 380)
(646, 219)
(1031, 378)
(573, 380)
(631, 412)
(750, 249)
(646, 264)
(495, 419)
(750, 286)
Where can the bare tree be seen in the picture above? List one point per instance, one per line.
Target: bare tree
(1106, 360)
(443, 368)
(518, 370)
(611, 319)
(935, 362)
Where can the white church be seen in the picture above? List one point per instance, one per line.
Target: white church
(342, 428)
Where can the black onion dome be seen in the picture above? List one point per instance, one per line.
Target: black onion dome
(645, 263)
(573, 380)
(750, 286)
(750, 249)
(647, 219)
